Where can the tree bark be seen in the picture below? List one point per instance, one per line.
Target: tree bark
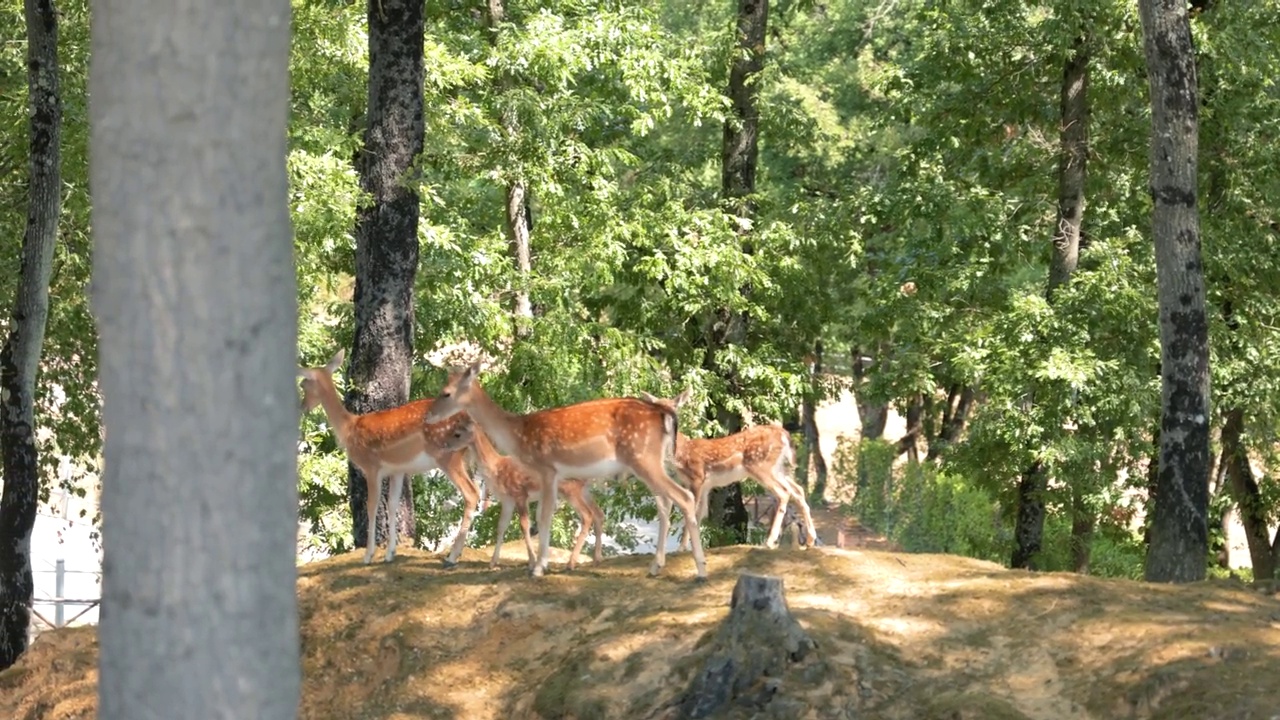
(738, 162)
(954, 419)
(1083, 522)
(751, 651)
(20, 355)
(1072, 165)
(873, 416)
(1263, 551)
(195, 297)
(518, 217)
(381, 360)
(909, 442)
(1179, 529)
(809, 420)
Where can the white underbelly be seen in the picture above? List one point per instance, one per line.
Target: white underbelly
(417, 465)
(599, 469)
(724, 478)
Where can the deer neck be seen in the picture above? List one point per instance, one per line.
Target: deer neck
(501, 427)
(339, 417)
(485, 452)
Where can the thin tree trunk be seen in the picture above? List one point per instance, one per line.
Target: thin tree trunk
(195, 297)
(1083, 522)
(387, 236)
(1072, 167)
(1179, 529)
(20, 356)
(519, 219)
(1248, 497)
(812, 442)
(739, 157)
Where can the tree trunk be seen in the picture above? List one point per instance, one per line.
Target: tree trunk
(812, 442)
(909, 442)
(1082, 526)
(20, 356)
(873, 416)
(195, 297)
(751, 651)
(954, 419)
(1028, 529)
(1072, 165)
(518, 218)
(738, 160)
(1248, 497)
(387, 235)
(1179, 529)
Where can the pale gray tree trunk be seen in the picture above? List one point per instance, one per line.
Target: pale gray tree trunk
(1028, 531)
(20, 356)
(378, 372)
(1179, 524)
(195, 297)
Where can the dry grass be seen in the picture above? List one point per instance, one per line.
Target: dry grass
(899, 636)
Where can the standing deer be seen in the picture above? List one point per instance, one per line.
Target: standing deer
(393, 443)
(514, 486)
(762, 452)
(592, 439)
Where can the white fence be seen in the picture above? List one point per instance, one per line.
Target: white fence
(66, 565)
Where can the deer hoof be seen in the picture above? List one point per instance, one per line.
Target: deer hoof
(700, 580)
(448, 564)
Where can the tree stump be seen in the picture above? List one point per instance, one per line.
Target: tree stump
(750, 651)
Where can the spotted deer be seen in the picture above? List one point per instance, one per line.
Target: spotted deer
(514, 487)
(391, 444)
(763, 452)
(593, 439)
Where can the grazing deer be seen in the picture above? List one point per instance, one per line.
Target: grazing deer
(391, 444)
(763, 452)
(514, 486)
(592, 439)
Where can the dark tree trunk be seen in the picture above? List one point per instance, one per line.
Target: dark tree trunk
(1072, 165)
(809, 420)
(909, 442)
(873, 416)
(518, 218)
(195, 297)
(387, 235)
(20, 355)
(1083, 522)
(955, 417)
(1153, 485)
(1248, 497)
(739, 158)
(1028, 529)
(1179, 528)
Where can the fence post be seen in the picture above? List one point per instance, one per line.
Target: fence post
(59, 582)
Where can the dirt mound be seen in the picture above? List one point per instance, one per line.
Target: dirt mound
(898, 636)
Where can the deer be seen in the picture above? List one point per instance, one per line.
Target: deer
(391, 444)
(763, 452)
(514, 486)
(593, 439)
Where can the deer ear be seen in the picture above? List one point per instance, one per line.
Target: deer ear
(472, 372)
(647, 397)
(682, 398)
(304, 373)
(335, 362)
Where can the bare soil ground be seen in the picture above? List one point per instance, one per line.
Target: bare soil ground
(899, 636)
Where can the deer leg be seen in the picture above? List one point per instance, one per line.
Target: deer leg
(585, 522)
(546, 510)
(597, 519)
(523, 508)
(455, 468)
(504, 521)
(373, 498)
(803, 503)
(393, 511)
(664, 529)
(663, 486)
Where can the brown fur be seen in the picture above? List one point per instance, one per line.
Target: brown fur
(380, 442)
(515, 487)
(603, 436)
